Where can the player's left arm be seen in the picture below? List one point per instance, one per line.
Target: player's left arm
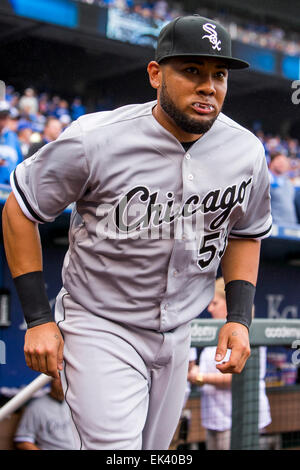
(239, 268)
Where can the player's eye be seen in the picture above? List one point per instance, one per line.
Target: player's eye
(220, 74)
(192, 70)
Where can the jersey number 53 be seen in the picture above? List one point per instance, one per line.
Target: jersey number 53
(209, 248)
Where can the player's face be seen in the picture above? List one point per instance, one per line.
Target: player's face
(191, 94)
(217, 307)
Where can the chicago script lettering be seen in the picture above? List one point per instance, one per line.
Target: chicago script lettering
(156, 213)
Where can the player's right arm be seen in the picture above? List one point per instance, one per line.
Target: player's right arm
(43, 346)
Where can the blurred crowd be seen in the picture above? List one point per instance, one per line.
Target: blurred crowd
(283, 158)
(241, 28)
(28, 121)
(288, 147)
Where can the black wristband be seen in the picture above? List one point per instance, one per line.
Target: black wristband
(33, 298)
(239, 298)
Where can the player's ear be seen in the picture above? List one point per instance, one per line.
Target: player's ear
(155, 74)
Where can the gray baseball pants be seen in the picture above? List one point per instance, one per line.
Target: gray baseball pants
(125, 386)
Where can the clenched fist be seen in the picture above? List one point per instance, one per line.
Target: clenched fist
(43, 349)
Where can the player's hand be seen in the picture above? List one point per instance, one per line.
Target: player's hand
(234, 336)
(43, 349)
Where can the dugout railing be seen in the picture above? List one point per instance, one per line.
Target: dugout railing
(245, 386)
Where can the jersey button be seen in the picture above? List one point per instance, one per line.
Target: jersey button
(190, 177)
(175, 273)
(187, 156)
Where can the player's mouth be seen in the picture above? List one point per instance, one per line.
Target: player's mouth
(203, 108)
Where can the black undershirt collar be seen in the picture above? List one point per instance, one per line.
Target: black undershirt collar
(187, 145)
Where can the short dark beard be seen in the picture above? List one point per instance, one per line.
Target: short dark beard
(184, 122)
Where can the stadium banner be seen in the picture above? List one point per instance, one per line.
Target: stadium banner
(290, 67)
(263, 332)
(260, 59)
(71, 14)
(60, 12)
(132, 28)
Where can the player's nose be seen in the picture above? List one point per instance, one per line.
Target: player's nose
(206, 85)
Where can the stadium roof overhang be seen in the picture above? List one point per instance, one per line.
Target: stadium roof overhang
(114, 56)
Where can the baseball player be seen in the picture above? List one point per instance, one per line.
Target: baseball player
(164, 191)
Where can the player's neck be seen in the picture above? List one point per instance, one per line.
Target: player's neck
(165, 121)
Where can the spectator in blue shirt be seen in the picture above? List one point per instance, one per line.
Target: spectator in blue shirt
(62, 109)
(10, 150)
(77, 109)
(282, 190)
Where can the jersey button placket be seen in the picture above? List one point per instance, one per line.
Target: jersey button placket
(190, 176)
(163, 319)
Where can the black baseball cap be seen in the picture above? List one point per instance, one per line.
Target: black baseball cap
(196, 35)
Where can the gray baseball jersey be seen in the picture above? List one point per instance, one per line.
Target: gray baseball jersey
(150, 221)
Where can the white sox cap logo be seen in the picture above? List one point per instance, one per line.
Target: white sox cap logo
(212, 36)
